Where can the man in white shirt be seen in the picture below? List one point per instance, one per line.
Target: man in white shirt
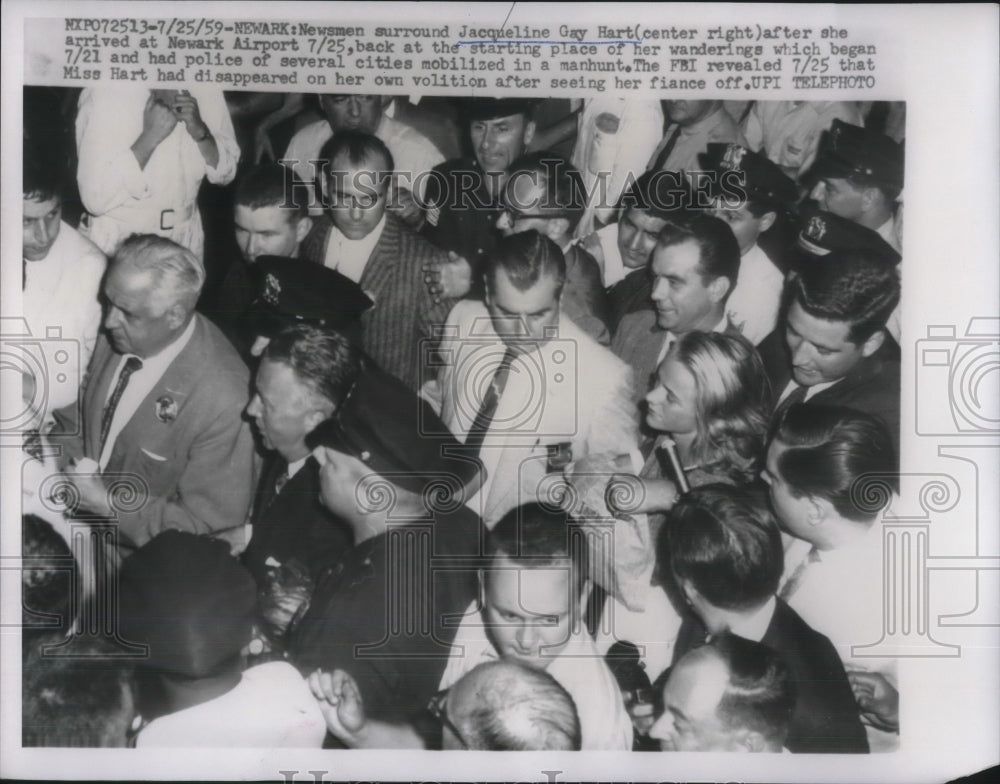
(751, 193)
(531, 611)
(161, 407)
(693, 126)
(62, 278)
(415, 155)
(834, 560)
(523, 386)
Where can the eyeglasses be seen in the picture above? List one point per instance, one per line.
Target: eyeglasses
(437, 707)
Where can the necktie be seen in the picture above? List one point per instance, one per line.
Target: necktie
(668, 148)
(491, 399)
(797, 395)
(132, 364)
(795, 580)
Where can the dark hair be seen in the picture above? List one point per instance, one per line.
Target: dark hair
(840, 454)
(563, 190)
(322, 359)
(534, 535)
(359, 149)
(50, 578)
(663, 194)
(522, 709)
(853, 286)
(760, 695)
(272, 185)
(526, 257)
(76, 695)
(719, 253)
(41, 178)
(726, 542)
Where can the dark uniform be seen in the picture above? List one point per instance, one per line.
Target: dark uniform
(388, 611)
(462, 215)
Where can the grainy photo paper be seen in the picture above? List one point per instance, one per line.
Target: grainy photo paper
(389, 385)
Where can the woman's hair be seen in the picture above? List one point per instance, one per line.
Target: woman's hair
(733, 404)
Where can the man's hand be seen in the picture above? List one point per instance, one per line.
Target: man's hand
(158, 122)
(340, 703)
(448, 280)
(877, 699)
(186, 109)
(90, 489)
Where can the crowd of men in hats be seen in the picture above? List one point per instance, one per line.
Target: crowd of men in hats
(412, 452)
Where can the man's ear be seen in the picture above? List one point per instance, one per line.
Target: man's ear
(767, 220)
(718, 288)
(176, 316)
(556, 227)
(869, 197)
(873, 344)
(302, 228)
(529, 132)
(818, 510)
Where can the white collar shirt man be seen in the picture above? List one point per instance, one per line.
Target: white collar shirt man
(140, 384)
(349, 257)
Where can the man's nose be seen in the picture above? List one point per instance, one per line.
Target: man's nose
(504, 222)
(818, 192)
(353, 107)
(253, 409)
(526, 636)
(662, 728)
(659, 290)
(801, 353)
(41, 233)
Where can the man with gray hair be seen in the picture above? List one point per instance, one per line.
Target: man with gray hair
(161, 406)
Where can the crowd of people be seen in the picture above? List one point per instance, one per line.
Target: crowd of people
(484, 424)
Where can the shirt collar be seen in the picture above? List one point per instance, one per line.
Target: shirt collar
(754, 627)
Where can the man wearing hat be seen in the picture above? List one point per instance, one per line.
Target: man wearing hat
(292, 292)
(393, 473)
(832, 345)
(192, 604)
(365, 242)
(305, 373)
(270, 218)
(822, 232)
(750, 194)
(860, 176)
(414, 153)
(463, 195)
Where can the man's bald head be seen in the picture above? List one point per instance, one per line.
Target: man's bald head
(505, 706)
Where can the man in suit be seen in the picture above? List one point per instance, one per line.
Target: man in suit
(729, 695)
(832, 346)
(304, 375)
(722, 549)
(695, 265)
(522, 385)
(363, 241)
(163, 403)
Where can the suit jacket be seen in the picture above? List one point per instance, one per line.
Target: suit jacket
(199, 465)
(394, 331)
(825, 719)
(571, 391)
(872, 386)
(294, 523)
(632, 293)
(389, 610)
